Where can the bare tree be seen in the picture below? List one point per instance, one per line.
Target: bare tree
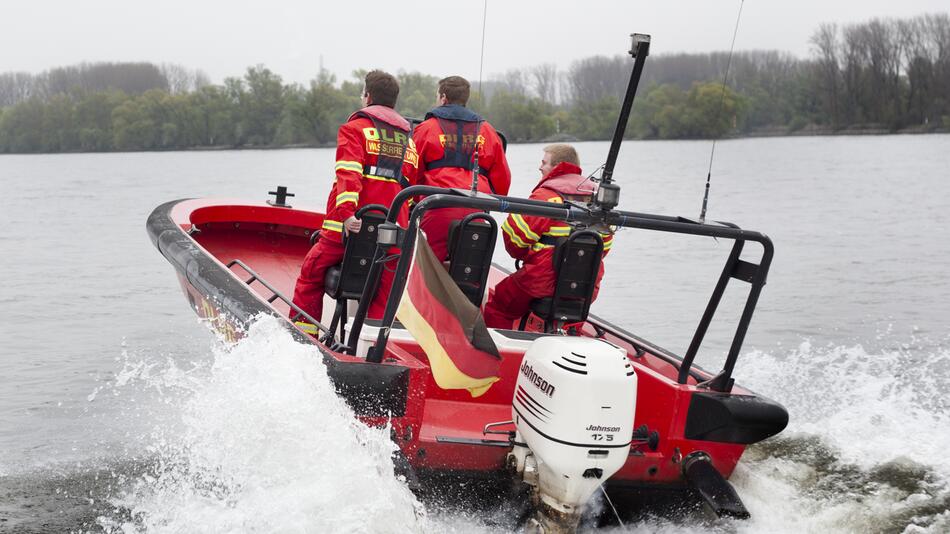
(15, 87)
(597, 77)
(514, 81)
(544, 78)
(825, 45)
(179, 79)
(201, 79)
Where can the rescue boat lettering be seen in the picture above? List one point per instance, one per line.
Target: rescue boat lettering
(389, 149)
(216, 319)
(397, 137)
(466, 139)
(537, 380)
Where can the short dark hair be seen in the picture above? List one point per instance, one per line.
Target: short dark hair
(382, 88)
(456, 89)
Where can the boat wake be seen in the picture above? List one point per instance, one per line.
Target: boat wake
(864, 451)
(251, 437)
(262, 443)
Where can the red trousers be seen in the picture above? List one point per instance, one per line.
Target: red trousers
(513, 295)
(311, 285)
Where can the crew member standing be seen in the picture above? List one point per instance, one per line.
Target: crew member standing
(533, 239)
(375, 159)
(447, 142)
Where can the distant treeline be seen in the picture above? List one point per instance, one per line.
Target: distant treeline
(883, 75)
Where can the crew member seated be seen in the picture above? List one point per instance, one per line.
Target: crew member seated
(533, 239)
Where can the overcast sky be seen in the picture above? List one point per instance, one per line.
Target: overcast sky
(290, 37)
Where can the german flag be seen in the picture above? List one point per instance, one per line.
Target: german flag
(448, 327)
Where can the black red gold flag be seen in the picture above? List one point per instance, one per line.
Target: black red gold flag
(448, 327)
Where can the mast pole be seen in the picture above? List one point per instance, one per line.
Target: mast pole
(639, 49)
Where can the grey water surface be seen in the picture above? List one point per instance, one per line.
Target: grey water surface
(111, 403)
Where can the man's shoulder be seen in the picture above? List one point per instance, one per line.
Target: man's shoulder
(489, 131)
(547, 195)
(427, 124)
(357, 123)
(355, 126)
(426, 128)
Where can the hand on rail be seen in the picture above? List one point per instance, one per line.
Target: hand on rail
(352, 224)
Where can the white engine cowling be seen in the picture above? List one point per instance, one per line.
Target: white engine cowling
(574, 405)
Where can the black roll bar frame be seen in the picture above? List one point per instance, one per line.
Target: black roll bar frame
(754, 274)
(600, 212)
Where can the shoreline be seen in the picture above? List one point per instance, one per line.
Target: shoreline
(558, 139)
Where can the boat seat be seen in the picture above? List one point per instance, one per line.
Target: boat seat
(346, 280)
(576, 265)
(471, 245)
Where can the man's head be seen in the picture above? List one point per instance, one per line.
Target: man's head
(555, 154)
(380, 88)
(454, 90)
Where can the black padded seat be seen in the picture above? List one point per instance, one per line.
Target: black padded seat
(576, 265)
(346, 281)
(471, 246)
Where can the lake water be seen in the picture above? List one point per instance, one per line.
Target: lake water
(119, 411)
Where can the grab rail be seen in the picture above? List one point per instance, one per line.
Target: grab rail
(735, 268)
(276, 294)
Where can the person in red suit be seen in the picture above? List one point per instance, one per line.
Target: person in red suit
(533, 239)
(447, 141)
(375, 159)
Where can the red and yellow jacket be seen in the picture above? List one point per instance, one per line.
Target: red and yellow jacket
(532, 239)
(369, 149)
(431, 141)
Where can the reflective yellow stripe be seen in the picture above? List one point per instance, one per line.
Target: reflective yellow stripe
(347, 196)
(523, 226)
(308, 328)
(354, 166)
(558, 231)
(380, 178)
(333, 226)
(540, 246)
(514, 237)
(607, 244)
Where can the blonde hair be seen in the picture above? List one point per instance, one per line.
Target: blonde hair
(561, 152)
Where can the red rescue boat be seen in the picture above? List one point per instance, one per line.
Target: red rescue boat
(580, 404)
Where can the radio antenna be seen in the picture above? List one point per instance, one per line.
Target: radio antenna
(481, 61)
(722, 97)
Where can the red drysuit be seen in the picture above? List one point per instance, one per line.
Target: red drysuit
(530, 239)
(375, 159)
(446, 142)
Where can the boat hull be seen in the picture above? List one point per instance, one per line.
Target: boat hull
(441, 430)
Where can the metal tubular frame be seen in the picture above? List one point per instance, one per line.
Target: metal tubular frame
(756, 275)
(639, 49)
(276, 294)
(598, 214)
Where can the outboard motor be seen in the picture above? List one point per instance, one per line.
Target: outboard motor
(573, 410)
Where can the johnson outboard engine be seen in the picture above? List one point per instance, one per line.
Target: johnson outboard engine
(573, 410)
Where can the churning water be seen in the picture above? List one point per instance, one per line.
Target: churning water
(120, 412)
